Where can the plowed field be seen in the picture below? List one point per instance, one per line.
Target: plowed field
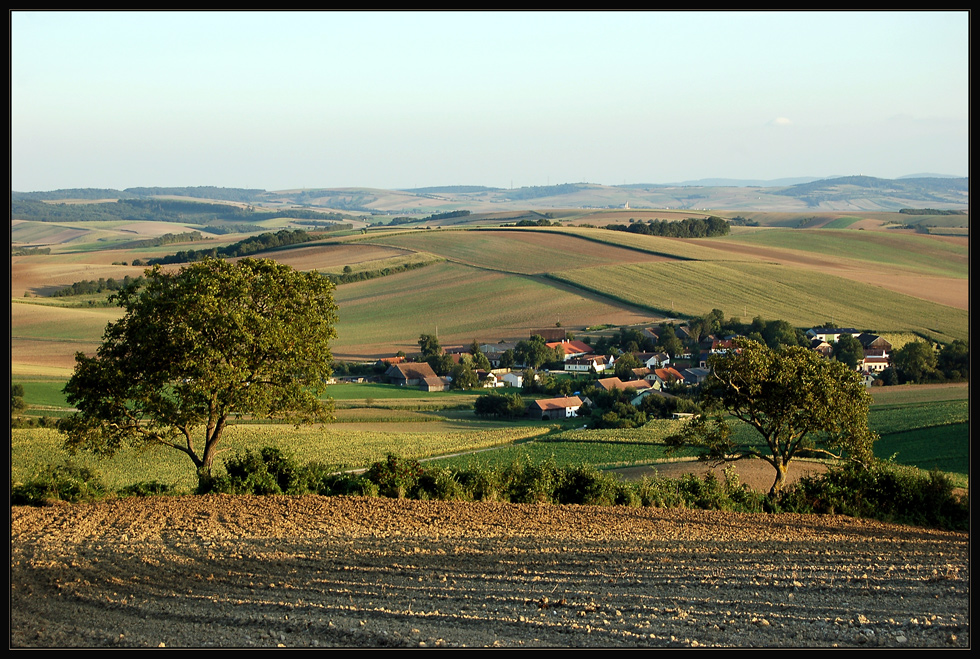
(315, 571)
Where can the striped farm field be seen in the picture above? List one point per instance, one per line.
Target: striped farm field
(382, 316)
(332, 257)
(911, 252)
(841, 222)
(517, 251)
(658, 245)
(44, 339)
(801, 297)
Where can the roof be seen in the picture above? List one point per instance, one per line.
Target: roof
(615, 383)
(414, 371)
(557, 403)
(669, 373)
(572, 347)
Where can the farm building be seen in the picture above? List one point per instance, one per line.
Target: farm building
(409, 375)
(554, 408)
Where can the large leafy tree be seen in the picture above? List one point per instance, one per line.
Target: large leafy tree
(799, 402)
(199, 348)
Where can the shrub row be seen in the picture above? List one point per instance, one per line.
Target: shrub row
(885, 491)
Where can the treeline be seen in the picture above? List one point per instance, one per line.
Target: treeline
(159, 210)
(253, 245)
(168, 239)
(930, 211)
(349, 277)
(538, 191)
(692, 227)
(543, 222)
(29, 251)
(403, 219)
(198, 192)
(201, 192)
(101, 285)
(459, 189)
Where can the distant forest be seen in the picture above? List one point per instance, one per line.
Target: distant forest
(252, 245)
(692, 227)
(198, 192)
(158, 210)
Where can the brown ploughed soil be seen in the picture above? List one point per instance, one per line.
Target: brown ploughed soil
(315, 571)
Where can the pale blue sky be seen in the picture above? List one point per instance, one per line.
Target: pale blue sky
(285, 100)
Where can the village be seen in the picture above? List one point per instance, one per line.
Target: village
(570, 364)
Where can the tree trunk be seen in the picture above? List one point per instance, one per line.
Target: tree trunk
(777, 485)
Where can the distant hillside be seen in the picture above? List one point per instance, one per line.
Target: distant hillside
(846, 193)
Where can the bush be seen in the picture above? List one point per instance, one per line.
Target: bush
(395, 478)
(268, 471)
(441, 484)
(65, 482)
(481, 484)
(887, 492)
(588, 486)
(527, 482)
(146, 489)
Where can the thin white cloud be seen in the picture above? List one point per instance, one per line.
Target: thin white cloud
(779, 122)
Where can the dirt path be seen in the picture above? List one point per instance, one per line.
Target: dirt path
(315, 571)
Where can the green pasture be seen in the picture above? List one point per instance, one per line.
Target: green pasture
(913, 394)
(914, 253)
(803, 298)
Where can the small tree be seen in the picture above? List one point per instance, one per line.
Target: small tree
(429, 345)
(199, 348)
(915, 362)
(848, 350)
(798, 401)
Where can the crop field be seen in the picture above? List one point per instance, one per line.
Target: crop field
(344, 445)
(800, 297)
(841, 222)
(332, 257)
(517, 251)
(911, 252)
(658, 245)
(459, 303)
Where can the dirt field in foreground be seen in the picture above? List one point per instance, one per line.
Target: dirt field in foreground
(315, 571)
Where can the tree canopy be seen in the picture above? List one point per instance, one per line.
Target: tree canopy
(800, 402)
(199, 348)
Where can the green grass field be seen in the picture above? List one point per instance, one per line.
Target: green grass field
(925, 427)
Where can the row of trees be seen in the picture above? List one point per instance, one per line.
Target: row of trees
(692, 227)
(252, 245)
(919, 362)
(99, 285)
